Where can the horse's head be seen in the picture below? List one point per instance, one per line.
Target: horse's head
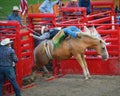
(99, 45)
(101, 49)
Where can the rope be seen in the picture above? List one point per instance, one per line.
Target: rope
(47, 50)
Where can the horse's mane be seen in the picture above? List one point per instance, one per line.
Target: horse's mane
(92, 33)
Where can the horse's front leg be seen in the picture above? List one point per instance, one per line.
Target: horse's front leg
(81, 62)
(86, 66)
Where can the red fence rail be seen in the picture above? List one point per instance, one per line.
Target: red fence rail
(106, 26)
(102, 6)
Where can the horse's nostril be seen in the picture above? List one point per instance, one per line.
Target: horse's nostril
(104, 57)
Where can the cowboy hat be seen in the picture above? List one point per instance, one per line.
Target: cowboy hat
(5, 41)
(43, 29)
(74, 0)
(15, 8)
(58, 28)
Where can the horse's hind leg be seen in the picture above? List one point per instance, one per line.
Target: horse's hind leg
(45, 70)
(79, 59)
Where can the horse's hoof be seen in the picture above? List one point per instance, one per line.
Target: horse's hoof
(86, 78)
(89, 77)
(32, 78)
(47, 75)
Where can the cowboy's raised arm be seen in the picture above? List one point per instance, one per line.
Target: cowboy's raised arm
(43, 7)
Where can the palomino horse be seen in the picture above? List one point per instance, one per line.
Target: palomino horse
(71, 47)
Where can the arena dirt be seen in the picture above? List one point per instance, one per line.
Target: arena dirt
(75, 85)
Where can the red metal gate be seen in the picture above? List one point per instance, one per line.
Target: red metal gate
(105, 24)
(23, 45)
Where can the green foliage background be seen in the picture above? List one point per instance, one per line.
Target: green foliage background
(7, 5)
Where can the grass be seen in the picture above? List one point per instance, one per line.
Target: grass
(7, 6)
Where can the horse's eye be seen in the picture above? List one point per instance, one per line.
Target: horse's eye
(103, 48)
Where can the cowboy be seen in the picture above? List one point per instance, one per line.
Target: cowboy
(73, 31)
(46, 33)
(50, 34)
(15, 15)
(7, 57)
(47, 6)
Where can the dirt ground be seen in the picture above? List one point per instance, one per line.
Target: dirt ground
(75, 85)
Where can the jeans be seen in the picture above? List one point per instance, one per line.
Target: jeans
(9, 73)
(72, 31)
(85, 3)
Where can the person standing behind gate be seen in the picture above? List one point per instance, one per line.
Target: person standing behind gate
(72, 3)
(7, 71)
(47, 6)
(85, 3)
(15, 15)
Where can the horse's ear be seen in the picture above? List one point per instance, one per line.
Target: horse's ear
(94, 32)
(86, 30)
(101, 41)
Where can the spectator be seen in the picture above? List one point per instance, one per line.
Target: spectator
(47, 6)
(72, 3)
(85, 3)
(116, 9)
(7, 59)
(15, 15)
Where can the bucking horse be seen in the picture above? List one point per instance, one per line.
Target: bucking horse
(69, 47)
